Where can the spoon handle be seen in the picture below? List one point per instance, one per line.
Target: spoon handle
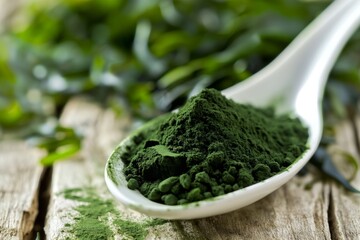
(316, 49)
(305, 64)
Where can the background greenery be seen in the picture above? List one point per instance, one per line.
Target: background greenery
(145, 57)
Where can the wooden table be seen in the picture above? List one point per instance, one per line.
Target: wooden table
(308, 207)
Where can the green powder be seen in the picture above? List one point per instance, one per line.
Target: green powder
(136, 230)
(97, 218)
(210, 147)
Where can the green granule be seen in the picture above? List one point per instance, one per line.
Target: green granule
(97, 217)
(209, 147)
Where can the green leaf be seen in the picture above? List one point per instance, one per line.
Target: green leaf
(350, 159)
(323, 161)
(10, 114)
(154, 65)
(179, 74)
(61, 153)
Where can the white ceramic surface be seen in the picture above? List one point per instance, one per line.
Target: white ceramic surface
(295, 80)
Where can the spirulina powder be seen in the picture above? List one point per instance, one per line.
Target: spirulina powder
(99, 219)
(209, 147)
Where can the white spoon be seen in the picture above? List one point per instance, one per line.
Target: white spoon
(296, 81)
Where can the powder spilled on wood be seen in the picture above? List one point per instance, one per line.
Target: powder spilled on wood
(99, 218)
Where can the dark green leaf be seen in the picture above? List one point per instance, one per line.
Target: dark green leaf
(323, 161)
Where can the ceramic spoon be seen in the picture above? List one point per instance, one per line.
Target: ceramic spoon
(296, 81)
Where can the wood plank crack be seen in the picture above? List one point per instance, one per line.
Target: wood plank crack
(43, 200)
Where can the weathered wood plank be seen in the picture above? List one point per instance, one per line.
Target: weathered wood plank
(293, 212)
(71, 173)
(20, 175)
(345, 206)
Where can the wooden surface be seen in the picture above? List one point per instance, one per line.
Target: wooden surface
(20, 177)
(308, 207)
(344, 207)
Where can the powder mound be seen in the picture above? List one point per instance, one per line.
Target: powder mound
(210, 147)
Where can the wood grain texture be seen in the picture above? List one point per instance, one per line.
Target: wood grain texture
(345, 206)
(71, 173)
(20, 175)
(292, 212)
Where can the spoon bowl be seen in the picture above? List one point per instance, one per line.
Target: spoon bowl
(117, 184)
(294, 82)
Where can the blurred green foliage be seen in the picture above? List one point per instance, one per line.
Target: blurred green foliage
(146, 57)
(143, 56)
